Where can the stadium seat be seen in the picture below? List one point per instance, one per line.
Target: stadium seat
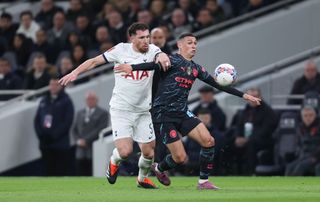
(284, 148)
(312, 99)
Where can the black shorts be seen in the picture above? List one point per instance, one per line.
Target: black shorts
(168, 131)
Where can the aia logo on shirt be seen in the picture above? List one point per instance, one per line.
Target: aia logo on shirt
(137, 75)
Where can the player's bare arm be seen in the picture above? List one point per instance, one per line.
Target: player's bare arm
(85, 66)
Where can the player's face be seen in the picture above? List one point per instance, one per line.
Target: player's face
(141, 40)
(188, 46)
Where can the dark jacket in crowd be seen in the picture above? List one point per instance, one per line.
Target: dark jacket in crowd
(45, 19)
(35, 83)
(89, 129)
(309, 140)
(302, 85)
(9, 82)
(60, 111)
(264, 121)
(218, 118)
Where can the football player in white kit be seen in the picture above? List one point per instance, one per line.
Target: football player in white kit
(131, 100)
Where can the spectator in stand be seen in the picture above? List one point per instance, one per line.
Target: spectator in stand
(117, 28)
(158, 10)
(78, 55)
(216, 10)
(41, 45)
(308, 161)
(144, 16)
(255, 126)
(28, 26)
(107, 8)
(75, 9)
(189, 8)
(84, 29)
(102, 35)
(135, 6)
(309, 81)
(167, 32)
(204, 20)
(52, 123)
(73, 39)
(57, 36)
(66, 66)
(21, 49)
(253, 5)
(179, 23)
(7, 29)
(88, 123)
(158, 38)
(46, 13)
(8, 80)
(207, 101)
(39, 75)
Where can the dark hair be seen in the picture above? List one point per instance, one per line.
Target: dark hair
(132, 30)
(6, 16)
(26, 13)
(206, 89)
(186, 34)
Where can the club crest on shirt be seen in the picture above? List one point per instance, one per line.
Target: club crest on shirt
(189, 70)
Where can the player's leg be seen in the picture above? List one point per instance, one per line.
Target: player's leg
(177, 154)
(145, 136)
(201, 134)
(122, 135)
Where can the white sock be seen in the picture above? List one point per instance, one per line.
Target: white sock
(201, 181)
(144, 167)
(116, 158)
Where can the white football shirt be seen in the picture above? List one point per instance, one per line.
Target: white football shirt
(131, 92)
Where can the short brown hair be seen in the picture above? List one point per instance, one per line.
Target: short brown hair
(132, 30)
(186, 34)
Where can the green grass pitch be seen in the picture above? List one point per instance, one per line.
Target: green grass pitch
(246, 189)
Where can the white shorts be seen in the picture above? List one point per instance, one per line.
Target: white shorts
(138, 126)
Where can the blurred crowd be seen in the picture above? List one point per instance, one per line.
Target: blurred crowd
(46, 45)
(55, 40)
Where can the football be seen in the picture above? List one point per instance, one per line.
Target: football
(225, 74)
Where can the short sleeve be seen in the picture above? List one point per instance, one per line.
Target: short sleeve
(154, 50)
(112, 55)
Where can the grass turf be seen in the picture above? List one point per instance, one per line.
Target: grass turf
(246, 189)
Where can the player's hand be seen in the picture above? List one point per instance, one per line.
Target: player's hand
(68, 78)
(124, 69)
(252, 99)
(164, 60)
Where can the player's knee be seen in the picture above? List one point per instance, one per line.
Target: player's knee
(124, 152)
(180, 158)
(148, 154)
